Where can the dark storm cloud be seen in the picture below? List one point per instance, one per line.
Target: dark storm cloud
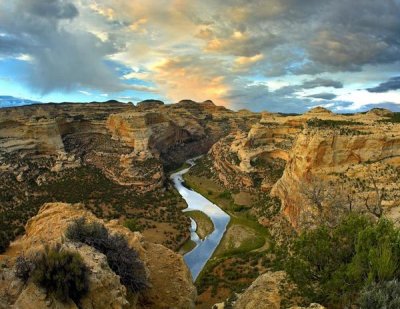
(324, 96)
(61, 59)
(260, 98)
(391, 84)
(50, 9)
(327, 36)
(321, 82)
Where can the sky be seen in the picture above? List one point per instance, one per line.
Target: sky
(273, 55)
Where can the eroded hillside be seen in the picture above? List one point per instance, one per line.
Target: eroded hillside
(111, 156)
(311, 161)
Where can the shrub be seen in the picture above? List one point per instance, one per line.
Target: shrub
(61, 273)
(385, 295)
(331, 265)
(122, 259)
(4, 241)
(225, 195)
(133, 225)
(23, 268)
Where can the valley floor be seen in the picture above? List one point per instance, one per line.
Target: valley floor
(242, 254)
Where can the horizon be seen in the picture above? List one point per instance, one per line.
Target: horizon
(278, 56)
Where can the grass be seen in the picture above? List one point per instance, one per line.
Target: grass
(204, 224)
(223, 198)
(188, 246)
(182, 167)
(159, 211)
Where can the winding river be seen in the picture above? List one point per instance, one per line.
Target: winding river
(197, 258)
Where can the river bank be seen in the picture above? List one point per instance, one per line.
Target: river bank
(197, 258)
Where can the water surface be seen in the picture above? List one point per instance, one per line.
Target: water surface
(197, 258)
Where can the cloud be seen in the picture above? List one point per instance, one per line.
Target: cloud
(391, 84)
(225, 51)
(321, 82)
(323, 96)
(85, 93)
(395, 107)
(198, 79)
(61, 59)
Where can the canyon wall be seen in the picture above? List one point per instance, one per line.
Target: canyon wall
(319, 159)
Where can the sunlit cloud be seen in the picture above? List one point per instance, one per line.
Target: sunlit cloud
(262, 54)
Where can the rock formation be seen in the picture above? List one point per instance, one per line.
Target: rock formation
(288, 155)
(170, 281)
(268, 292)
(132, 145)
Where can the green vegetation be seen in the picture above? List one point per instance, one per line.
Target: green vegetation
(121, 258)
(331, 124)
(241, 255)
(187, 246)
(395, 118)
(204, 224)
(332, 265)
(340, 125)
(23, 268)
(60, 272)
(381, 295)
(244, 234)
(133, 225)
(89, 186)
(273, 168)
(234, 273)
(4, 241)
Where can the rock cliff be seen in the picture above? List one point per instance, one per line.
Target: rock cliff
(269, 291)
(294, 156)
(170, 281)
(130, 144)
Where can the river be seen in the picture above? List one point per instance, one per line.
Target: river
(197, 258)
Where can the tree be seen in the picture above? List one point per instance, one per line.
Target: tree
(331, 265)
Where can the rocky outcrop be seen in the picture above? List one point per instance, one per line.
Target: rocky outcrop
(264, 292)
(269, 291)
(288, 155)
(170, 281)
(131, 145)
(358, 158)
(255, 159)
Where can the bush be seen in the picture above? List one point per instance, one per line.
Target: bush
(331, 265)
(61, 273)
(385, 295)
(133, 225)
(23, 268)
(4, 242)
(122, 259)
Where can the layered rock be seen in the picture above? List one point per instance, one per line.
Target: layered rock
(131, 145)
(326, 158)
(170, 280)
(289, 155)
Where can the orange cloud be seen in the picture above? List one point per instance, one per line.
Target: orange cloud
(107, 12)
(179, 82)
(246, 61)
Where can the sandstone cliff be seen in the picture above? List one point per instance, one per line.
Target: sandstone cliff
(355, 157)
(170, 280)
(130, 144)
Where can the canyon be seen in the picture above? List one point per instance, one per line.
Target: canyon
(275, 174)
